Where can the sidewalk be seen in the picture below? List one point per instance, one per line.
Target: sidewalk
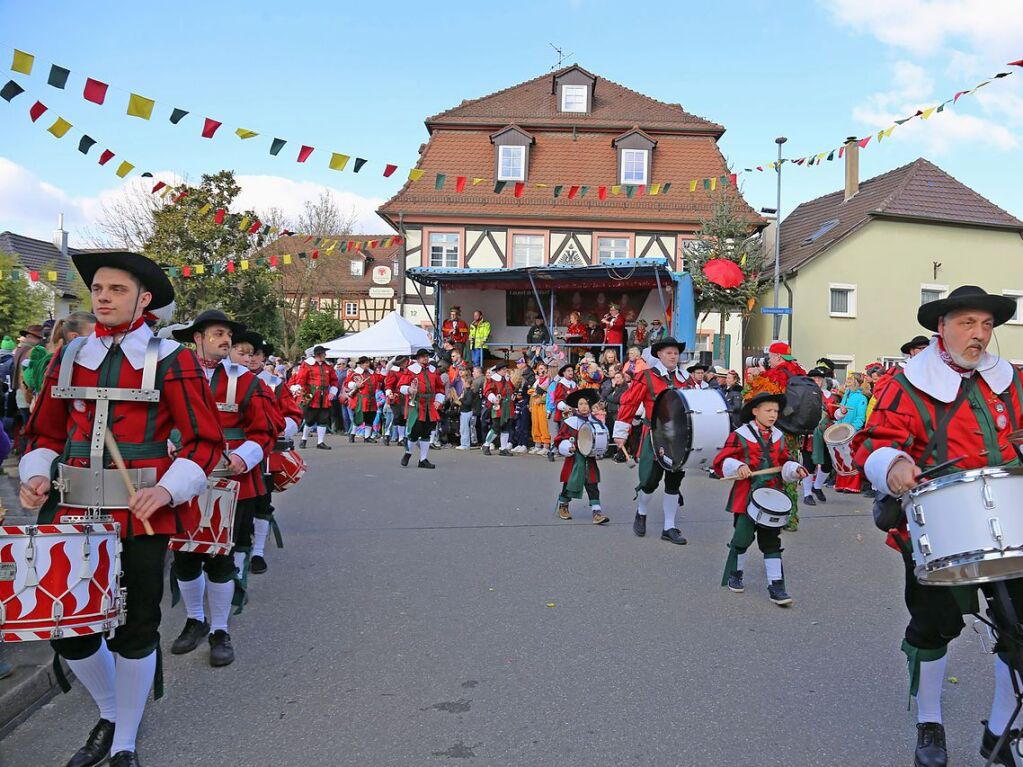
(32, 681)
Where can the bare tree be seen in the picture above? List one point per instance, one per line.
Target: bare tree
(127, 220)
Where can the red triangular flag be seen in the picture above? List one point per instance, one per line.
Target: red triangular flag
(733, 177)
(230, 267)
(255, 227)
(95, 91)
(37, 110)
(219, 216)
(520, 187)
(602, 193)
(460, 183)
(181, 196)
(572, 192)
(760, 168)
(1016, 63)
(158, 186)
(210, 127)
(309, 238)
(106, 157)
(34, 275)
(841, 151)
(273, 260)
(864, 141)
(956, 97)
(316, 254)
(304, 152)
(640, 190)
(389, 169)
(186, 271)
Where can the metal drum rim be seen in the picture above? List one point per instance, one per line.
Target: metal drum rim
(969, 475)
(969, 558)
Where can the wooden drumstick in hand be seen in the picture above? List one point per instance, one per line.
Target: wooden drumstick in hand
(757, 473)
(628, 458)
(115, 453)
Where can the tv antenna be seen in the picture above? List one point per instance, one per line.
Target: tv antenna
(562, 56)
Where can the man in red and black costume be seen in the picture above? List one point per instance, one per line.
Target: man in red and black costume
(251, 422)
(118, 355)
(316, 382)
(423, 389)
(952, 399)
(455, 330)
(361, 388)
(663, 374)
(613, 324)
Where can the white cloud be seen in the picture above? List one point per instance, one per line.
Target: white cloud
(30, 206)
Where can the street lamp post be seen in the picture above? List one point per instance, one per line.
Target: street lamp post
(777, 243)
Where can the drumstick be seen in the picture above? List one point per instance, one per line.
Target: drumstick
(631, 463)
(757, 473)
(115, 453)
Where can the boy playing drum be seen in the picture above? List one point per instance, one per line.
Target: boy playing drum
(579, 472)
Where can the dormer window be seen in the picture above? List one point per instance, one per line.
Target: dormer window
(635, 163)
(574, 98)
(511, 159)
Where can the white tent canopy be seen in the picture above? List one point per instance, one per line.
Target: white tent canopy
(392, 336)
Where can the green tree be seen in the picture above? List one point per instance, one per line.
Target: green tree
(21, 303)
(727, 234)
(181, 237)
(318, 327)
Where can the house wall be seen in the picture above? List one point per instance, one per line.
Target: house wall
(889, 262)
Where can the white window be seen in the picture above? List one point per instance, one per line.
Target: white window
(842, 300)
(843, 364)
(634, 166)
(930, 292)
(690, 248)
(511, 163)
(527, 250)
(351, 310)
(357, 267)
(573, 98)
(1017, 318)
(612, 247)
(444, 249)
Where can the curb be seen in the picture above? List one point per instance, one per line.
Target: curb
(24, 692)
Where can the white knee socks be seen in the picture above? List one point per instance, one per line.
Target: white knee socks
(644, 503)
(807, 486)
(819, 479)
(260, 536)
(928, 696)
(1004, 699)
(401, 432)
(305, 431)
(772, 567)
(192, 593)
(134, 679)
(220, 595)
(505, 440)
(321, 432)
(239, 561)
(96, 673)
(424, 449)
(670, 505)
(740, 561)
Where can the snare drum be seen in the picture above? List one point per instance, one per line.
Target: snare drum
(60, 581)
(689, 427)
(967, 528)
(838, 437)
(592, 439)
(769, 507)
(210, 530)
(285, 469)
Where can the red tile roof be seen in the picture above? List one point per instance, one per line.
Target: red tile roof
(919, 191)
(333, 270)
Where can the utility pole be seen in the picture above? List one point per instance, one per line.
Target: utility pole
(777, 244)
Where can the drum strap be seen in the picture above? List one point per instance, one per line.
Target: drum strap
(937, 445)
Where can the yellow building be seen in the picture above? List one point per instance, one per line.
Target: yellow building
(857, 264)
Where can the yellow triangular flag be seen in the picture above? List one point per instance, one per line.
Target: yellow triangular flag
(273, 230)
(332, 246)
(205, 209)
(287, 258)
(200, 269)
(244, 133)
(655, 189)
(140, 106)
(692, 186)
(822, 155)
(415, 174)
(540, 186)
(124, 169)
(51, 276)
(22, 62)
(338, 161)
(245, 265)
(928, 112)
(742, 261)
(889, 131)
(59, 128)
(166, 191)
(713, 183)
(880, 134)
(476, 181)
(615, 189)
(244, 224)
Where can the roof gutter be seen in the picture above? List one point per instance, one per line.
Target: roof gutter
(1018, 227)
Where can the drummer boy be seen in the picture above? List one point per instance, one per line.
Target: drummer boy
(579, 472)
(756, 445)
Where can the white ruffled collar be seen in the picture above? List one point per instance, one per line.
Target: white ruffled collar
(269, 379)
(746, 432)
(415, 368)
(680, 374)
(134, 344)
(928, 373)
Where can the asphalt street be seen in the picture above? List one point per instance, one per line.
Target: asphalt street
(448, 617)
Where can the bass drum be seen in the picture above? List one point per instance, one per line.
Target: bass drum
(804, 403)
(688, 427)
(592, 440)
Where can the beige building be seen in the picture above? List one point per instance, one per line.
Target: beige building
(857, 263)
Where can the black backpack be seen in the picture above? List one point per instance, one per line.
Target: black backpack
(804, 403)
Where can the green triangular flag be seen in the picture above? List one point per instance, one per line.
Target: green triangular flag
(58, 76)
(277, 145)
(831, 155)
(665, 188)
(439, 183)
(941, 108)
(176, 115)
(499, 187)
(901, 122)
(630, 190)
(583, 190)
(557, 190)
(706, 183)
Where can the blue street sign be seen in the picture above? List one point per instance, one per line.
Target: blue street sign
(776, 310)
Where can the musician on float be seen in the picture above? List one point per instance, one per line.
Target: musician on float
(754, 446)
(499, 394)
(663, 374)
(455, 329)
(613, 324)
(361, 388)
(118, 354)
(816, 458)
(579, 472)
(251, 422)
(423, 390)
(953, 399)
(316, 384)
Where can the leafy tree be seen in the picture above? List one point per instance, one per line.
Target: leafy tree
(181, 237)
(21, 302)
(318, 327)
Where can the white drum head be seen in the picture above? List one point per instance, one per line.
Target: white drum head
(584, 439)
(772, 500)
(839, 433)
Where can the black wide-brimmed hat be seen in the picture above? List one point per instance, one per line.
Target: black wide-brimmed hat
(145, 269)
(966, 297)
(746, 414)
(503, 365)
(590, 395)
(698, 366)
(363, 359)
(208, 317)
(918, 342)
(665, 342)
(318, 350)
(422, 352)
(563, 368)
(248, 336)
(824, 362)
(819, 372)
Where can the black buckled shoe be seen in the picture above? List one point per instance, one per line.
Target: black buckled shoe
(406, 458)
(425, 464)
(323, 446)
(989, 740)
(809, 500)
(125, 759)
(820, 495)
(221, 651)
(776, 591)
(351, 438)
(387, 440)
(486, 449)
(550, 456)
(735, 582)
(639, 525)
(190, 637)
(257, 565)
(930, 746)
(674, 535)
(97, 746)
(504, 452)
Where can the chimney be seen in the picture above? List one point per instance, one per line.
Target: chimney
(852, 167)
(60, 236)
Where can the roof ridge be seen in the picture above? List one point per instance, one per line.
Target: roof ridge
(913, 170)
(664, 103)
(467, 102)
(878, 177)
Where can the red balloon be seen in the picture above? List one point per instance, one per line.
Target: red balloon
(723, 273)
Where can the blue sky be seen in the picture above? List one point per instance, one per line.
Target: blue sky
(360, 79)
